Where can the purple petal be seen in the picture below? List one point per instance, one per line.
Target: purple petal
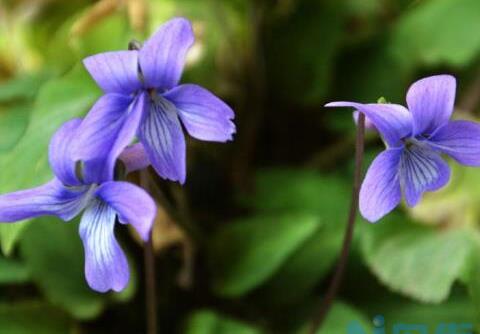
(133, 205)
(460, 140)
(380, 192)
(106, 266)
(51, 198)
(135, 158)
(204, 115)
(108, 128)
(393, 121)
(162, 136)
(115, 72)
(60, 153)
(421, 169)
(162, 57)
(430, 100)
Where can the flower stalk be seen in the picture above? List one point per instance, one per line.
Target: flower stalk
(326, 304)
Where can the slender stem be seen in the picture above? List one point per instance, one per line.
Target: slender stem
(342, 262)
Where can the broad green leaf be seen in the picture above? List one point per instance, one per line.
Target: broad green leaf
(246, 253)
(53, 253)
(13, 271)
(26, 165)
(22, 87)
(416, 261)
(13, 122)
(209, 322)
(33, 317)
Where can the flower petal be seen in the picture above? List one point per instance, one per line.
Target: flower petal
(106, 266)
(162, 136)
(393, 121)
(115, 72)
(204, 115)
(133, 205)
(430, 100)
(134, 158)
(380, 192)
(460, 140)
(421, 169)
(60, 153)
(108, 128)
(51, 198)
(162, 57)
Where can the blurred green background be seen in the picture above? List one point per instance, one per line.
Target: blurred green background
(249, 243)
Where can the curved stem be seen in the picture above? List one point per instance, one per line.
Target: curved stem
(342, 262)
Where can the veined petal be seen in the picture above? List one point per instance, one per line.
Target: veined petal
(380, 192)
(204, 115)
(421, 169)
(460, 140)
(162, 136)
(52, 198)
(133, 205)
(134, 158)
(162, 57)
(115, 72)
(108, 128)
(430, 100)
(393, 121)
(106, 266)
(60, 153)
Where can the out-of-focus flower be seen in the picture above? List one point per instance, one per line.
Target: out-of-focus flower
(142, 98)
(415, 138)
(101, 199)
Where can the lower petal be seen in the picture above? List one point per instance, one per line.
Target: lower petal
(380, 192)
(106, 267)
(162, 136)
(50, 199)
(421, 169)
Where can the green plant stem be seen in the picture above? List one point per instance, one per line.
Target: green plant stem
(327, 302)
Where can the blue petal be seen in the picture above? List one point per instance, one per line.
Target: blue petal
(53, 198)
(162, 136)
(134, 158)
(421, 169)
(106, 267)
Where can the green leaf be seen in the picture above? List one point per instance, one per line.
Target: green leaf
(419, 262)
(246, 253)
(13, 122)
(26, 165)
(209, 322)
(22, 87)
(33, 318)
(13, 271)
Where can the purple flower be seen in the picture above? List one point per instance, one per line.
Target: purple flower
(102, 201)
(142, 98)
(415, 139)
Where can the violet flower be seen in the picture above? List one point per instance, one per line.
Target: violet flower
(102, 201)
(142, 98)
(415, 139)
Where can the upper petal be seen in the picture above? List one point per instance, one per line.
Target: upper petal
(134, 158)
(106, 266)
(204, 115)
(430, 100)
(52, 198)
(380, 192)
(108, 128)
(162, 136)
(393, 121)
(60, 153)
(133, 205)
(162, 57)
(115, 72)
(460, 140)
(421, 169)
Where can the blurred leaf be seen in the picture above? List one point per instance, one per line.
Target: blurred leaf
(438, 32)
(53, 253)
(26, 165)
(22, 87)
(13, 122)
(209, 322)
(246, 253)
(416, 261)
(33, 318)
(13, 271)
